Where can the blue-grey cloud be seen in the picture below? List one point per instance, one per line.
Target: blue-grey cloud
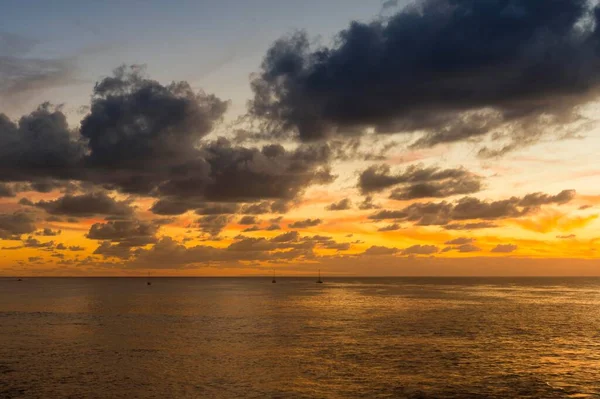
(452, 69)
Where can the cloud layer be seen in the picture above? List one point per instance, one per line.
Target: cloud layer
(452, 70)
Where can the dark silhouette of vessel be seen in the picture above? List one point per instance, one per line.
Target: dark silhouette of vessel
(319, 281)
(273, 281)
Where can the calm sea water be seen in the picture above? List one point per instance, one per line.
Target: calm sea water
(347, 338)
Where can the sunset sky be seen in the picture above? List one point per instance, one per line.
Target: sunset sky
(359, 137)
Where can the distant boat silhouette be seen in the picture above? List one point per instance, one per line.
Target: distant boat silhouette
(319, 281)
(273, 281)
(19, 279)
(148, 282)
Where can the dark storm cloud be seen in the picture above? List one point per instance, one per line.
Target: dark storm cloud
(128, 233)
(171, 206)
(469, 208)
(12, 225)
(305, 223)
(40, 145)
(259, 208)
(86, 205)
(216, 209)
(505, 248)
(342, 205)
(142, 137)
(226, 173)
(48, 185)
(135, 122)
(452, 69)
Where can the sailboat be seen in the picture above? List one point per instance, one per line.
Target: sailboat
(273, 281)
(319, 281)
(148, 282)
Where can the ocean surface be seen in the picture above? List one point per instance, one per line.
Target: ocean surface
(346, 338)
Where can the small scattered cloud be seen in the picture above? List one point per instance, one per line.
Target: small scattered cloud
(421, 250)
(504, 248)
(303, 224)
(342, 205)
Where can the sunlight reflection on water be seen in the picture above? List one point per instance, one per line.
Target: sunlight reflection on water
(226, 338)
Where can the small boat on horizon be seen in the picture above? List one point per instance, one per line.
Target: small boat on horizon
(319, 281)
(148, 282)
(273, 281)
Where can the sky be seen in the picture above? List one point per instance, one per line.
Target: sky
(355, 137)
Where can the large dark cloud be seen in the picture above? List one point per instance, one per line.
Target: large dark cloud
(143, 137)
(226, 173)
(136, 122)
(418, 181)
(451, 69)
(229, 173)
(86, 205)
(470, 208)
(12, 225)
(38, 146)
(128, 233)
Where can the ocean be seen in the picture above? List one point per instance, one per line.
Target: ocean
(346, 338)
